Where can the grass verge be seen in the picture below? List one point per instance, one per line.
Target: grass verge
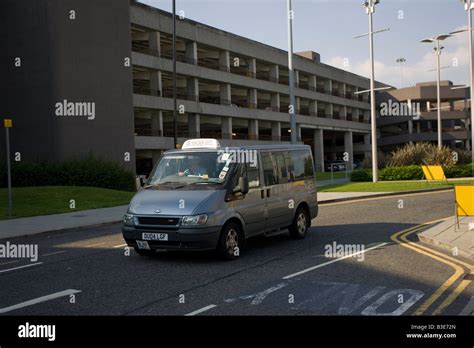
(390, 186)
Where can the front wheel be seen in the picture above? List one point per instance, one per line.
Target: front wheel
(299, 227)
(230, 241)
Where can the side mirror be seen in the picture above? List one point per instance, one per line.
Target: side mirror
(244, 185)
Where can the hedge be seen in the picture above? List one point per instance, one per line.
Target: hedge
(410, 173)
(90, 172)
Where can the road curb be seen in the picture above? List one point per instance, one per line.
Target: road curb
(445, 245)
(400, 193)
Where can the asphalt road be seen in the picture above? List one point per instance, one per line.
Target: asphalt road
(275, 275)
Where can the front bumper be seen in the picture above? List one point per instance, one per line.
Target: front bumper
(204, 238)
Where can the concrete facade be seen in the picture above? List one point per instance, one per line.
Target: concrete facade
(398, 130)
(236, 90)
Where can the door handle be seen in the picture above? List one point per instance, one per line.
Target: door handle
(262, 194)
(268, 192)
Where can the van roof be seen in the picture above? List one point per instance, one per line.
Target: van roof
(248, 147)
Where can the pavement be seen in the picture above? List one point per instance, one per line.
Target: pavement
(275, 275)
(451, 236)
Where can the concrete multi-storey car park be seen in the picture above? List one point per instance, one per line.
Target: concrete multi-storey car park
(236, 90)
(232, 88)
(396, 131)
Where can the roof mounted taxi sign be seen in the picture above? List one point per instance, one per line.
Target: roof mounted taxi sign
(201, 144)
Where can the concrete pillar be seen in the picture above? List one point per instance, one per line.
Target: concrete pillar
(192, 88)
(156, 155)
(318, 150)
(366, 116)
(156, 84)
(226, 94)
(355, 115)
(367, 153)
(253, 129)
(410, 130)
(157, 123)
(312, 82)
(297, 77)
(418, 127)
(252, 63)
(276, 131)
(154, 42)
(226, 127)
(328, 86)
(194, 126)
(274, 73)
(252, 98)
(329, 110)
(343, 112)
(298, 132)
(342, 89)
(313, 108)
(349, 149)
(298, 105)
(275, 101)
(191, 52)
(224, 61)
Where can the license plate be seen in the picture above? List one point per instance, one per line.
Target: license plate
(143, 245)
(154, 236)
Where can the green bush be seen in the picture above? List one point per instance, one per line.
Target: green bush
(423, 153)
(459, 171)
(87, 172)
(361, 175)
(401, 173)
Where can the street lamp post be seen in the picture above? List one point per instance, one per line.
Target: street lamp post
(438, 48)
(291, 76)
(175, 123)
(370, 9)
(401, 61)
(468, 6)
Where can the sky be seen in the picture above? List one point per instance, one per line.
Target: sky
(328, 27)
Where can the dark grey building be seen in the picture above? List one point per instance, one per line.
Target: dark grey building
(54, 51)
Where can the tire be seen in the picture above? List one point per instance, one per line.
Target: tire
(299, 227)
(230, 238)
(143, 252)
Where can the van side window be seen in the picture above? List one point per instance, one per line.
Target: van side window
(269, 169)
(253, 174)
(281, 167)
(303, 165)
(290, 166)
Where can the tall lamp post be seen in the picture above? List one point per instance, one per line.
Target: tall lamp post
(370, 9)
(291, 75)
(469, 6)
(175, 123)
(438, 48)
(401, 61)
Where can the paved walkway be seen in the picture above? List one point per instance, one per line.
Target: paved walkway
(329, 196)
(448, 236)
(38, 224)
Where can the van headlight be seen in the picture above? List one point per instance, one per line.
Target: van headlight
(128, 219)
(195, 220)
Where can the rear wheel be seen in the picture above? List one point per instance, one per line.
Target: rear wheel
(299, 227)
(230, 241)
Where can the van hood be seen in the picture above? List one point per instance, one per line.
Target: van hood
(169, 202)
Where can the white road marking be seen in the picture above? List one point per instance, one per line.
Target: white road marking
(119, 246)
(414, 296)
(12, 269)
(55, 253)
(203, 309)
(39, 300)
(469, 309)
(332, 261)
(262, 295)
(7, 263)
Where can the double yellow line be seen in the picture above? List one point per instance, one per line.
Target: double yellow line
(457, 265)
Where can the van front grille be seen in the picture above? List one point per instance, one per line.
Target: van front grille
(158, 221)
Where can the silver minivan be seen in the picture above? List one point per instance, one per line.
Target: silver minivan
(204, 197)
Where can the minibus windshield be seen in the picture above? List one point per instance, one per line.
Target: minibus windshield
(191, 168)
